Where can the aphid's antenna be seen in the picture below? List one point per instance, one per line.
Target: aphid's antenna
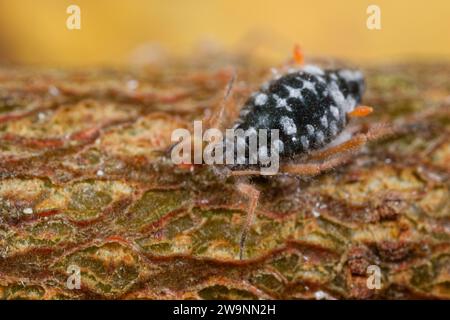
(253, 195)
(217, 118)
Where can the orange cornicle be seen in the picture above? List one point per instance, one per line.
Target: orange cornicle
(298, 55)
(361, 111)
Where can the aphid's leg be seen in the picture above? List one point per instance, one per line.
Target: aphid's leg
(375, 132)
(245, 173)
(314, 169)
(353, 144)
(360, 111)
(216, 119)
(253, 195)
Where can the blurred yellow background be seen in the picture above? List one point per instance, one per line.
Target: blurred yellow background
(34, 31)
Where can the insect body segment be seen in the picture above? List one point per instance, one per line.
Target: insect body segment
(308, 106)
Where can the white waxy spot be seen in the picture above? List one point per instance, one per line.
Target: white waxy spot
(310, 129)
(315, 213)
(288, 125)
(100, 173)
(261, 99)
(335, 112)
(281, 103)
(333, 128)
(320, 137)
(344, 104)
(305, 142)
(310, 86)
(313, 69)
(351, 75)
(294, 92)
(320, 78)
(28, 210)
(350, 104)
(324, 121)
(293, 70)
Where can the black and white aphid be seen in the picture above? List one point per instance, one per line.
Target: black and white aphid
(308, 106)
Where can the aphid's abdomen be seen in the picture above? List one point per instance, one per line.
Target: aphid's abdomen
(308, 106)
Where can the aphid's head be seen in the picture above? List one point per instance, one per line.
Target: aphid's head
(355, 82)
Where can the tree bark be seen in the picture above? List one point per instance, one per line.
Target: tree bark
(84, 183)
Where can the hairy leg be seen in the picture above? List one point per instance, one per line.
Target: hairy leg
(376, 131)
(314, 169)
(253, 196)
(351, 145)
(225, 107)
(216, 119)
